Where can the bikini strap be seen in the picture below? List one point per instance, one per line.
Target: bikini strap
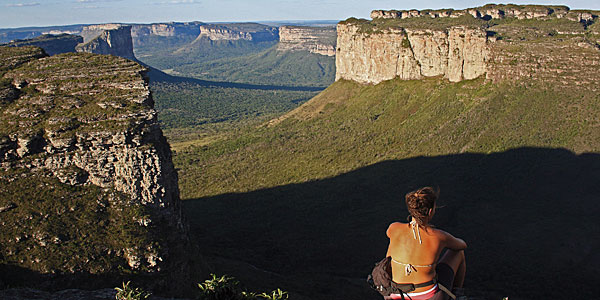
(415, 230)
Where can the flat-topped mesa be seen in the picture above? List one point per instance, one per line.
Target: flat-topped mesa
(318, 40)
(456, 53)
(113, 39)
(86, 170)
(491, 11)
(234, 32)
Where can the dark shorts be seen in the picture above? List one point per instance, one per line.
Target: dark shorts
(445, 276)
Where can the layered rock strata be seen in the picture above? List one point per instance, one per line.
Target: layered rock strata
(113, 39)
(456, 53)
(85, 170)
(318, 40)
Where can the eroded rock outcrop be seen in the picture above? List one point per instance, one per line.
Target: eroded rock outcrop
(86, 170)
(371, 57)
(113, 39)
(319, 40)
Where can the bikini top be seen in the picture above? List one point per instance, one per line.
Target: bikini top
(409, 268)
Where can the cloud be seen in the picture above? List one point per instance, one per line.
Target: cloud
(93, 1)
(22, 4)
(179, 2)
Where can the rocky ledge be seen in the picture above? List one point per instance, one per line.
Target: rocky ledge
(88, 185)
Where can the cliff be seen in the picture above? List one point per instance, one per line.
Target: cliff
(88, 185)
(319, 40)
(491, 41)
(113, 39)
(165, 29)
(161, 35)
(456, 53)
(238, 31)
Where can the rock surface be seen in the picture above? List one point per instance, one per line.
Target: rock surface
(113, 39)
(85, 170)
(319, 40)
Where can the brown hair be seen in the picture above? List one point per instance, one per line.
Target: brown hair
(419, 203)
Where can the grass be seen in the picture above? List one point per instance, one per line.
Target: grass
(375, 123)
(56, 221)
(57, 88)
(332, 172)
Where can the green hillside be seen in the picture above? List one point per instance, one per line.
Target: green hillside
(350, 126)
(511, 160)
(184, 52)
(290, 68)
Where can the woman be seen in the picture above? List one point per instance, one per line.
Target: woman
(415, 248)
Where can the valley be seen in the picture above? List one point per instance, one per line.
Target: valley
(293, 145)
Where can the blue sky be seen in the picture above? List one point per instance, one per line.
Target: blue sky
(20, 13)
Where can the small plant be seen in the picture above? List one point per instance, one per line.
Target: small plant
(227, 288)
(220, 288)
(129, 293)
(275, 295)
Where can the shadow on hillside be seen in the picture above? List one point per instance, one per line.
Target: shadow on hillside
(529, 216)
(156, 75)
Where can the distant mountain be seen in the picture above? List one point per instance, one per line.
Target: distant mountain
(112, 39)
(52, 44)
(9, 34)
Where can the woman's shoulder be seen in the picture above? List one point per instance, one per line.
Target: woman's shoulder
(394, 227)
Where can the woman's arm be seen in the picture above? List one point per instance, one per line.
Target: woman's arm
(451, 242)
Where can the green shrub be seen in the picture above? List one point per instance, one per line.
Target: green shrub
(129, 293)
(227, 288)
(275, 295)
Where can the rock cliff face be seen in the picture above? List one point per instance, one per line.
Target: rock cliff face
(242, 31)
(88, 185)
(319, 40)
(113, 39)
(152, 35)
(165, 29)
(456, 53)
(459, 45)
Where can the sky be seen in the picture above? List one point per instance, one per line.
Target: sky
(24, 13)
